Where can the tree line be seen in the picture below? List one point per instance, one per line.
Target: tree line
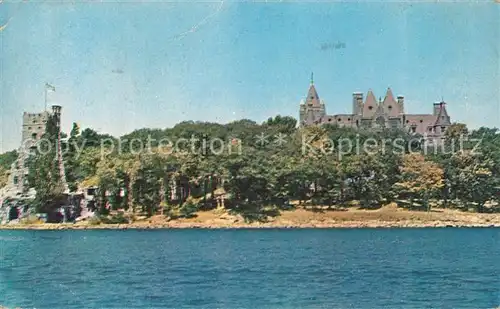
(272, 173)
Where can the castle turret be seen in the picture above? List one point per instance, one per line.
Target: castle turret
(312, 109)
(56, 112)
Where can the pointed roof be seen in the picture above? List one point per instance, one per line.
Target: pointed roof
(389, 97)
(370, 98)
(442, 112)
(370, 105)
(312, 96)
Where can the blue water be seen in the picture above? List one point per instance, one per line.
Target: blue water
(365, 268)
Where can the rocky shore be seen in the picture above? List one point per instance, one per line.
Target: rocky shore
(387, 217)
(345, 225)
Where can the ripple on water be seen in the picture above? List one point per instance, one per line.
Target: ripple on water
(447, 268)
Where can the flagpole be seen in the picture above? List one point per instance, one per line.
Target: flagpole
(45, 87)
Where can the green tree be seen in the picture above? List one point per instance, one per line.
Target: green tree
(419, 178)
(6, 159)
(471, 179)
(44, 171)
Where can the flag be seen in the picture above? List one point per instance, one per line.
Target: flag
(50, 87)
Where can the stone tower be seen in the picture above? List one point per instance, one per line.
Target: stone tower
(33, 129)
(312, 110)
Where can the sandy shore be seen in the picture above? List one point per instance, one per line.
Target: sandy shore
(386, 217)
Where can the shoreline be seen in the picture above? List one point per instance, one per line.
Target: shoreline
(177, 226)
(242, 227)
(386, 217)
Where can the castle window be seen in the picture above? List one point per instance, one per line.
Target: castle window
(329, 119)
(29, 128)
(16, 180)
(33, 136)
(348, 119)
(442, 129)
(339, 119)
(390, 106)
(421, 121)
(413, 129)
(370, 107)
(39, 128)
(34, 121)
(407, 121)
(430, 129)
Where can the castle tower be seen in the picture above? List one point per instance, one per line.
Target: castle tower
(33, 129)
(312, 110)
(443, 120)
(56, 112)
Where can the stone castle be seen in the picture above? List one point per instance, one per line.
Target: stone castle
(33, 128)
(368, 113)
(17, 192)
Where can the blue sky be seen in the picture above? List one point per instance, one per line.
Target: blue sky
(123, 66)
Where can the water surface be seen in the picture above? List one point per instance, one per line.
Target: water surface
(306, 268)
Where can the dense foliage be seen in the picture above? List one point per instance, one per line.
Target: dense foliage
(6, 160)
(255, 168)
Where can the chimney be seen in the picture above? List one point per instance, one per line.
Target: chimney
(401, 103)
(437, 108)
(357, 103)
